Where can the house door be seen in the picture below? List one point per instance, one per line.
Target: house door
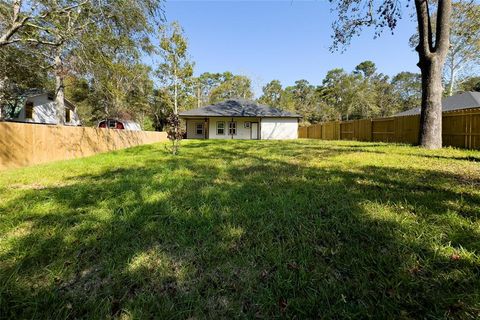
(254, 130)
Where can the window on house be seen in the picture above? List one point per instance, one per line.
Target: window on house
(232, 128)
(220, 128)
(199, 128)
(67, 115)
(29, 110)
(246, 125)
(112, 124)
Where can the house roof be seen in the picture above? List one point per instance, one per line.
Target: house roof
(238, 108)
(461, 101)
(32, 93)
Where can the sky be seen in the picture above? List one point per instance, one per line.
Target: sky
(285, 40)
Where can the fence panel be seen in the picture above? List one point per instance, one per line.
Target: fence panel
(23, 144)
(331, 130)
(474, 130)
(347, 130)
(318, 131)
(407, 129)
(303, 132)
(455, 129)
(310, 130)
(460, 129)
(383, 130)
(363, 130)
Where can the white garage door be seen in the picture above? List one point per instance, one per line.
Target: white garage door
(279, 128)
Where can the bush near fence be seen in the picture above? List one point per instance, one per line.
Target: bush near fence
(23, 144)
(460, 129)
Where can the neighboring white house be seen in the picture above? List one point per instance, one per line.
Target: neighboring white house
(40, 108)
(240, 119)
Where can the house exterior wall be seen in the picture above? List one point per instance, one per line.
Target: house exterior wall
(44, 112)
(279, 128)
(192, 130)
(268, 128)
(242, 132)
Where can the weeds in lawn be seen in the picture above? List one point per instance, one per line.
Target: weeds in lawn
(241, 229)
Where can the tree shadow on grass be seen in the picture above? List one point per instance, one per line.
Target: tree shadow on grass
(241, 232)
(368, 147)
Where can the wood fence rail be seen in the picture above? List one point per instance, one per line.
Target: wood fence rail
(460, 129)
(23, 144)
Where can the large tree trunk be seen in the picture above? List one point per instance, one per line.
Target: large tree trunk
(431, 112)
(432, 58)
(59, 88)
(158, 123)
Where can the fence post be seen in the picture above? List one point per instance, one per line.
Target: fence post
(371, 130)
(396, 134)
(470, 125)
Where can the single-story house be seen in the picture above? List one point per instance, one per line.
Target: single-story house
(41, 108)
(466, 100)
(240, 119)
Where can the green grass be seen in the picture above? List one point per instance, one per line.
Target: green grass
(244, 229)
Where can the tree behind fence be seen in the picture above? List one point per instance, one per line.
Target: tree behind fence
(460, 129)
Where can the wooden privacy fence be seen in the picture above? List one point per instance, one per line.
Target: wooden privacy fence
(23, 144)
(460, 129)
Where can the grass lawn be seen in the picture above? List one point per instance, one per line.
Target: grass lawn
(244, 229)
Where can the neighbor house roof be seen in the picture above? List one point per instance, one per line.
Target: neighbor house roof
(32, 93)
(465, 100)
(238, 108)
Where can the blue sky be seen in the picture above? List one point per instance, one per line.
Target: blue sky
(284, 40)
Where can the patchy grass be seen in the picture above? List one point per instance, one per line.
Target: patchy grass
(243, 229)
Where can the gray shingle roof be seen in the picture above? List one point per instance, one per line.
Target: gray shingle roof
(238, 108)
(465, 100)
